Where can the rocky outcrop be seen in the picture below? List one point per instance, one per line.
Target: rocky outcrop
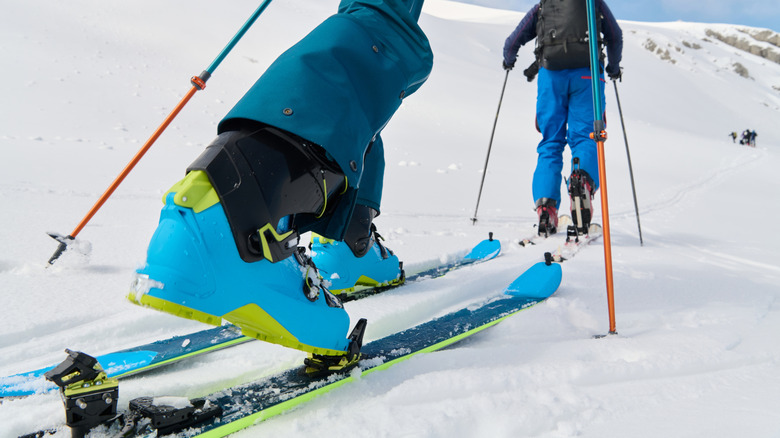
(748, 43)
(741, 70)
(662, 53)
(694, 46)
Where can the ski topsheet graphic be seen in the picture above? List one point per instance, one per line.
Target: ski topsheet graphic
(136, 360)
(233, 409)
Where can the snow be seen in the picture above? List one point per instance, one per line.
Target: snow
(697, 352)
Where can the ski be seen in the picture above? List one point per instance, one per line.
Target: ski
(575, 242)
(143, 358)
(230, 410)
(135, 360)
(485, 250)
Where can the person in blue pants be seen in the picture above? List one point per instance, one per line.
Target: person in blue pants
(564, 104)
(300, 152)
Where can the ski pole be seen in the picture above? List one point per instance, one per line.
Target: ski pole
(600, 135)
(490, 146)
(198, 83)
(630, 168)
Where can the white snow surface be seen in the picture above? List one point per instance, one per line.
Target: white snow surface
(697, 353)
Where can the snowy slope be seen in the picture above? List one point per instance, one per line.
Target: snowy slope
(86, 82)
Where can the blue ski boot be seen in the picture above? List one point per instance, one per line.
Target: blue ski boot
(203, 264)
(360, 260)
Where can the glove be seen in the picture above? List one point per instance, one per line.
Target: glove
(531, 71)
(506, 66)
(615, 72)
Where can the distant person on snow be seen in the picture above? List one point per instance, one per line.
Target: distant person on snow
(745, 140)
(300, 152)
(733, 136)
(564, 105)
(753, 138)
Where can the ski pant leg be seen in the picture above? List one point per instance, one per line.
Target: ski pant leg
(551, 112)
(580, 119)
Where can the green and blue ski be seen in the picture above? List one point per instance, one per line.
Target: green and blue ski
(233, 409)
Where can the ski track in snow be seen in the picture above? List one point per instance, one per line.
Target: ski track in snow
(743, 164)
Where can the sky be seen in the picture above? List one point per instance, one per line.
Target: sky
(756, 13)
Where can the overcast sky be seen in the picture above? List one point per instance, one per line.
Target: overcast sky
(756, 13)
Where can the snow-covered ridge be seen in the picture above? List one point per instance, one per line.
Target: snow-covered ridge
(457, 11)
(704, 48)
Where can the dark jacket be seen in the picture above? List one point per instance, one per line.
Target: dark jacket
(526, 31)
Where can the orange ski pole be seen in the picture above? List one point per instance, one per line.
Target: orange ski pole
(600, 138)
(110, 190)
(198, 83)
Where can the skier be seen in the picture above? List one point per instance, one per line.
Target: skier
(301, 151)
(564, 105)
(745, 140)
(733, 136)
(753, 138)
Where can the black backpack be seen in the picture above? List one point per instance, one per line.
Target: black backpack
(562, 34)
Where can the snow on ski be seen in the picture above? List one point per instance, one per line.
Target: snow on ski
(236, 408)
(143, 358)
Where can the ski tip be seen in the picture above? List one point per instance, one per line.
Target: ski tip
(485, 250)
(539, 281)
